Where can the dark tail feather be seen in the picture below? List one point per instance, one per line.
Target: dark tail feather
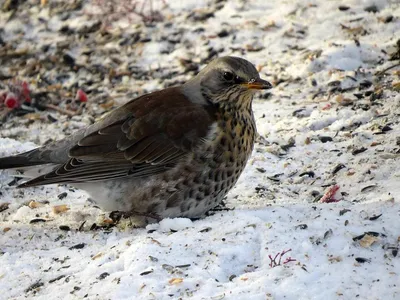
(18, 161)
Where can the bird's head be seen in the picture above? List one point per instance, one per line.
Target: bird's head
(229, 81)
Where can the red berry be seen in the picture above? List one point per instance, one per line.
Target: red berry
(26, 91)
(81, 96)
(11, 101)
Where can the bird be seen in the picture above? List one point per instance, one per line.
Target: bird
(171, 153)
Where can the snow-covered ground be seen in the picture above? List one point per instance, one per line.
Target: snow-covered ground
(332, 121)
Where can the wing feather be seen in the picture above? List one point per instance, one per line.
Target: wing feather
(150, 135)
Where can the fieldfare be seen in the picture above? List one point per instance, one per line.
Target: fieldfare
(171, 153)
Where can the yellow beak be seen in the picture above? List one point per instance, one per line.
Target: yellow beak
(257, 84)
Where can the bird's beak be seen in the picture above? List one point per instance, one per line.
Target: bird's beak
(257, 84)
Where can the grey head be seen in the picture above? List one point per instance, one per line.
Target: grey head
(227, 79)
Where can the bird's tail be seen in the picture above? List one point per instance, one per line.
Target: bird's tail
(20, 161)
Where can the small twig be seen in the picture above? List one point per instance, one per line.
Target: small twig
(282, 254)
(387, 69)
(65, 111)
(288, 260)
(273, 262)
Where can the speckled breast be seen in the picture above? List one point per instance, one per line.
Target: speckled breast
(220, 164)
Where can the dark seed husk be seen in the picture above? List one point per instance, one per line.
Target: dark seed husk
(37, 220)
(301, 226)
(368, 188)
(362, 260)
(343, 211)
(103, 275)
(146, 272)
(34, 286)
(338, 168)
(373, 218)
(4, 206)
(358, 151)
(77, 246)
(308, 173)
(325, 139)
(56, 279)
(62, 195)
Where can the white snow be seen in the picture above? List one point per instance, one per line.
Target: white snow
(227, 255)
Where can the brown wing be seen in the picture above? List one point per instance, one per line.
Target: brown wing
(150, 134)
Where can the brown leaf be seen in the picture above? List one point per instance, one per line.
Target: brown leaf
(368, 240)
(175, 281)
(58, 209)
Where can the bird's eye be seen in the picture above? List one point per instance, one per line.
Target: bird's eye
(228, 76)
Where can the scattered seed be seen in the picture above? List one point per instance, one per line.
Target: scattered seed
(81, 226)
(368, 188)
(372, 8)
(315, 193)
(335, 83)
(325, 139)
(146, 272)
(338, 168)
(223, 33)
(68, 59)
(98, 255)
(274, 177)
(65, 227)
(103, 275)
(291, 143)
(4, 206)
(183, 266)
(77, 246)
(300, 113)
(395, 252)
(328, 234)
(343, 211)
(386, 128)
(362, 260)
(373, 218)
(37, 220)
(301, 226)
(168, 268)
(62, 195)
(388, 19)
(358, 151)
(152, 258)
(365, 84)
(343, 7)
(308, 173)
(57, 278)
(34, 286)
(34, 204)
(372, 233)
(175, 281)
(58, 209)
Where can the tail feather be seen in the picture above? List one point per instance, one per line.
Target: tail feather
(18, 161)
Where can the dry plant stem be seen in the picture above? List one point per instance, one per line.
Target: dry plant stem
(387, 69)
(65, 111)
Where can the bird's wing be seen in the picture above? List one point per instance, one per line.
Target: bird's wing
(150, 135)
